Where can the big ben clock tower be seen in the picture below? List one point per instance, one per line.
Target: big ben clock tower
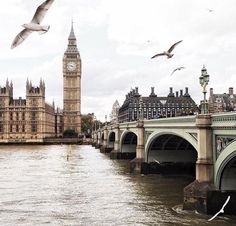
(72, 85)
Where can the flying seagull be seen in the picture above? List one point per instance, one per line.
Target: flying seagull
(168, 52)
(210, 10)
(34, 25)
(176, 69)
(221, 210)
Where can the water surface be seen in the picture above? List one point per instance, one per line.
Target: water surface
(59, 185)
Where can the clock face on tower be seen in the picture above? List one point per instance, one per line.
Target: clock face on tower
(71, 66)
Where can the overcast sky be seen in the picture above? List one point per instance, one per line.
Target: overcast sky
(116, 39)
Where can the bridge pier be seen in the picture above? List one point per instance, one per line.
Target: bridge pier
(94, 139)
(103, 148)
(98, 143)
(195, 194)
(136, 164)
(115, 152)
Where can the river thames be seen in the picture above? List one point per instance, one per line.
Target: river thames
(59, 185)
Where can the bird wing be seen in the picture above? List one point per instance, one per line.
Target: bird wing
(222, 209)
(214, 216)
(173, 46)
(159, 54)
(227, 200)
(178, 68)
(174, 71)
(41, 11)
(20, 37)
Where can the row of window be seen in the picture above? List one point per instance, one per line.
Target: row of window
(18, 116)
(163, 104)
(18, 128)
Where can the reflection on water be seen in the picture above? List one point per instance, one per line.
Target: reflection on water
(58, 185)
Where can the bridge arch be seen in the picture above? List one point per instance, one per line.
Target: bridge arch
(128, 141)
(157, 134)
(111, 139)
(225, 168)
(172, 149)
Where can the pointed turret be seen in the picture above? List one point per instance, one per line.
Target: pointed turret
(72, 46)
(72, 34)
(7, 84)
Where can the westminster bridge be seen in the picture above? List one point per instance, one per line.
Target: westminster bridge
(204, 144)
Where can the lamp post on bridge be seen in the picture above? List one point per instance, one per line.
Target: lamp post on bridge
(196, 193)
(204, 79)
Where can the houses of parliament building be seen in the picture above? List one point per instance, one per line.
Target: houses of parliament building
(32, 119)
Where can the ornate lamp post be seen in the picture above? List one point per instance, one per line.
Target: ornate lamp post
(204, 79)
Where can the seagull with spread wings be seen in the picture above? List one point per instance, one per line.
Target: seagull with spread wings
(34, 25)
(168, 52)
(176, 69)
(221, 210)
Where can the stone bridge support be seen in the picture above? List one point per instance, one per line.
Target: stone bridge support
(114, 153)
(98, 144)
(136, 164)
(105, 142)
(94, 138)
(195, 194)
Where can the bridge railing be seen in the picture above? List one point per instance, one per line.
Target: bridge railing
(224, 120)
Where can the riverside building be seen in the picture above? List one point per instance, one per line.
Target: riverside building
(153, 106)
(31, 120)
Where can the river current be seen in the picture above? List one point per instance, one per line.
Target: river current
(78, 185)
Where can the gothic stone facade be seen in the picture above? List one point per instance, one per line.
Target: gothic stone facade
(32, 119)
(72, 85)
(25, 120)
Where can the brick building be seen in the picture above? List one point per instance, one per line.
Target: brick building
(222, 102)
(153, 106)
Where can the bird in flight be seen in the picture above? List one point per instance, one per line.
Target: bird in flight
(168, 52)
(210, 10)
(34, 25)
(176, 69)
(221, 210)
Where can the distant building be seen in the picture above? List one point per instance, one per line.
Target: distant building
(25, 120)
(153, 107)
(222, 102)
(32, 119)
(59, 123)
(115, 112)
(72, 85)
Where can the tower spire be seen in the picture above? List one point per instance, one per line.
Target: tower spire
(72, 46)
(72, 34)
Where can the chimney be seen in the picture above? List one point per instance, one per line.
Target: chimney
(136, 90)
(181, 92)
(211, 91)
(186, 90)
(177, 94)
(152, 90)
(152, 93)
(171, 94)
(231, 91)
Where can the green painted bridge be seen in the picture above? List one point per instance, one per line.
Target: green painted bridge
(205, 144)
